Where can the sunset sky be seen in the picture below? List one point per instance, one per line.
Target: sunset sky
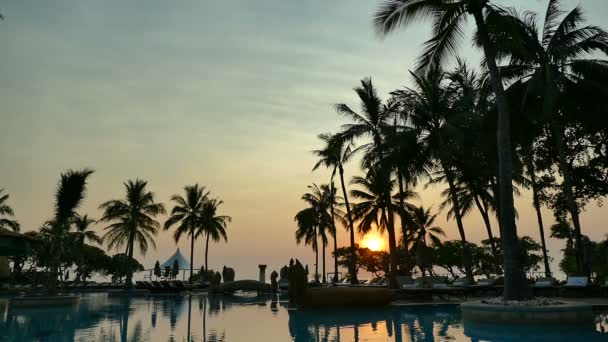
(229, 94)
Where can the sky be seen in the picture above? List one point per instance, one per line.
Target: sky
(227, 94)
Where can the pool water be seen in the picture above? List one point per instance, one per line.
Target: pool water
(246, 318)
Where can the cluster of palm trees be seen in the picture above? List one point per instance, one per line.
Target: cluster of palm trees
(131, 221)
(453, 127)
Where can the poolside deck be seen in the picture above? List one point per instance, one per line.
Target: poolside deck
(597, 302)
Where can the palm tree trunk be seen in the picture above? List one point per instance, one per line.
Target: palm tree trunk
(392, 244)
(515, 282)
(191, 253)
(486, 220)
(207, 253)
(402, 205)
(539, 216)
(323, 243)
(570, 201)
(353, 252)
(335, 233)
(316, 248)
(129, 280)
(466, 251)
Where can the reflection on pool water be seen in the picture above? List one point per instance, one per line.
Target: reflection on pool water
(211, 318)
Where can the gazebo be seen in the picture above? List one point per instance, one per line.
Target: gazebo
(184, 265)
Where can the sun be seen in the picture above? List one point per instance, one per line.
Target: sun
(373, 242)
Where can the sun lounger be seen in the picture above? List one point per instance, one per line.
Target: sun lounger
(575, 286)
(484, 287)
(461, 282)
(404, 280)
(545, 287)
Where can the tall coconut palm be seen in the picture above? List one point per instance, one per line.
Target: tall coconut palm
(213, 226)
(6, 210)
(307, 221)
(187, 213)
(318, 199)
(409, 158)
(69, 196)
(336, 152)
(449, 17)
(372, 210)
(83, 233)
(330, 197)
(440, 127)
(423, 233)
(550, 60)
(132, 221)
(371, 123)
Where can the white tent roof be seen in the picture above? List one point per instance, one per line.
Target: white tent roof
(183, 263)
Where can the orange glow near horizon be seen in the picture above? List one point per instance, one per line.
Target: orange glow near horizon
(373, 242)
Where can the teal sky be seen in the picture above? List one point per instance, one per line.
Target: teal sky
(229, 94)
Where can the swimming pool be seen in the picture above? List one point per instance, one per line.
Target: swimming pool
(232, 319)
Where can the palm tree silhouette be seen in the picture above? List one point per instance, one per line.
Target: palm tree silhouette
(337, 152)
(423, 234)
(549, 63)
(371, 123)
(132, 221)
(82, 231)
(372, 209)
(6, 210)
(314, 221)
(69, 196)
(440, 128)
(212, 225)
(449, 17)
(188, 213)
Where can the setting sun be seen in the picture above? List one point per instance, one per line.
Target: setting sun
(373, 242)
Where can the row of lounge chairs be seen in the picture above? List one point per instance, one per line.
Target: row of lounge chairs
(427, 287)
(174, 286)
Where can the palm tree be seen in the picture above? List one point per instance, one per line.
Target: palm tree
(337, 152)
(371, 123)
(188, 214)
(132, 221)
(83, 233)
(448, 18)
(212, 225)
(372, 209)
(69, 196)
(441, 130)
(423, 233)
(551, 62)
(307, 221)
(317, 219)
(6, 210)
(329, 192)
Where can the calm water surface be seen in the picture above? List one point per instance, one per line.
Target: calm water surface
(233, 319)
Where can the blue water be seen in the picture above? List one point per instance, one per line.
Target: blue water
(233, 319)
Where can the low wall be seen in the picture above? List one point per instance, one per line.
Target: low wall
(567, 313)
(346, 296)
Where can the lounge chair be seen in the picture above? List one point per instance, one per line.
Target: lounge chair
(575, 286)
(484, 287)
(404, 280)
(378, 282)
(545, 287)
(460, 282)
